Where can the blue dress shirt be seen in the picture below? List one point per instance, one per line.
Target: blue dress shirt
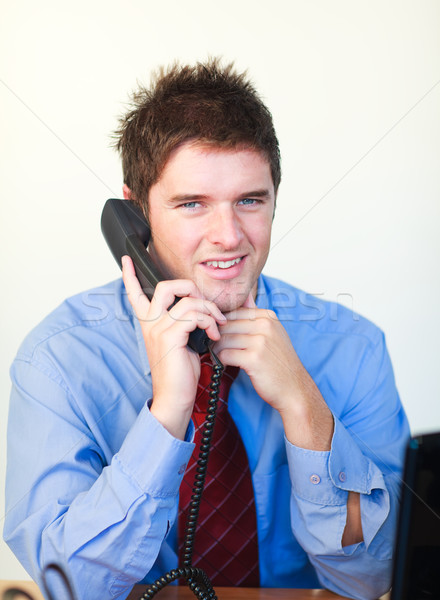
(93, 478)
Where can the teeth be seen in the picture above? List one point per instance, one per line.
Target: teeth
(222, 264)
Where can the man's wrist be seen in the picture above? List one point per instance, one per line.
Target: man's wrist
(174, 421)
(308, 422)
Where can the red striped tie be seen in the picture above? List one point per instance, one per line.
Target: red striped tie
(226, 544)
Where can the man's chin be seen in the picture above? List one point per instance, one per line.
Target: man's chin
(228, 300)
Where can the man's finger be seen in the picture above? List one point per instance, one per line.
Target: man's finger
(136, 296)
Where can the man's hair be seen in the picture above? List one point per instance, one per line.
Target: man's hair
(205, 103)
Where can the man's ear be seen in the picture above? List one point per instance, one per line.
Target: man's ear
(126, 191)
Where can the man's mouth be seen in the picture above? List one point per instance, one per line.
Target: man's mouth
(223, 264)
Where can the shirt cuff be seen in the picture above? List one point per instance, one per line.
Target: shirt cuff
(154, 458)
(349, 468)
(309, 474)
(325, 478)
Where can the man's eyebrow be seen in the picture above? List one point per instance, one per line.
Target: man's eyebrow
(187, 197)
(256, 194)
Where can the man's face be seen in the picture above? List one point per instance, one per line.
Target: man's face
(211, 216)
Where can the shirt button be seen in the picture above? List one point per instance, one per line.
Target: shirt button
(342, 476)
(315, 479)
(181, 470)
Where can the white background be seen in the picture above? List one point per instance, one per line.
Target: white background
(354, 88)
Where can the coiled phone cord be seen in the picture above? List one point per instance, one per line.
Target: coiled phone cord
(196, 579)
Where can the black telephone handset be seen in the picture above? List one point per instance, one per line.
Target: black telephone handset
(126, 232)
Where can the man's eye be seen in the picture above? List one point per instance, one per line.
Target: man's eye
(249, 201)
(189, 205)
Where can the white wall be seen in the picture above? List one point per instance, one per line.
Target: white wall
(354, 88)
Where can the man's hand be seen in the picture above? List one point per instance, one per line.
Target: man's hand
(175, 369)
(255, 340)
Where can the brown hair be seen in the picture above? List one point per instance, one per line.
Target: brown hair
(206, 103)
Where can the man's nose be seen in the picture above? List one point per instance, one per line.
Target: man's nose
(225, 228)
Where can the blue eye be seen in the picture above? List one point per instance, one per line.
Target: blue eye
(249, 201)
(189, 205)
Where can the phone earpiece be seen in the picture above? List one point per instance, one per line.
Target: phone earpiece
(127, 232)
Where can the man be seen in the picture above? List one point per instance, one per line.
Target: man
(100, 429)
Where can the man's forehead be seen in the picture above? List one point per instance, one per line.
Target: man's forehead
(196, 154)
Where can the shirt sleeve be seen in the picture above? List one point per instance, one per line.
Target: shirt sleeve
(103, 523)
(366, 457)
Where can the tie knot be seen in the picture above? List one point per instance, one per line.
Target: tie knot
(203, 388)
